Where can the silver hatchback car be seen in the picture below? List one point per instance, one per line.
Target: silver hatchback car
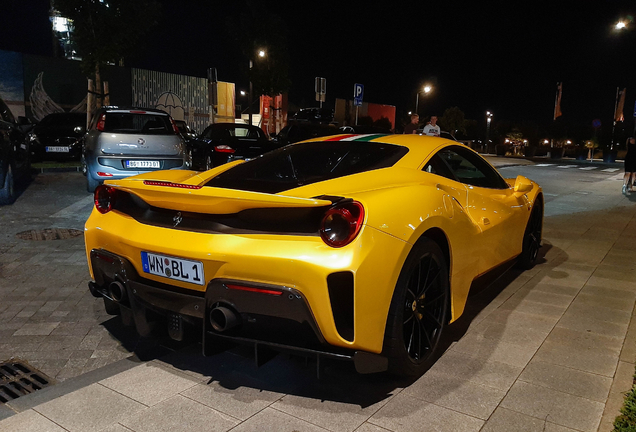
(124, 142)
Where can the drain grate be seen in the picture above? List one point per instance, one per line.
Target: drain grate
(49, 234)
(19, 379)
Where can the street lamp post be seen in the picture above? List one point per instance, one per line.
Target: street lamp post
(488, 120)
(425, 90)
(261, 53)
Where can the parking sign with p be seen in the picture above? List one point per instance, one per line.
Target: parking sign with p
(358, 93)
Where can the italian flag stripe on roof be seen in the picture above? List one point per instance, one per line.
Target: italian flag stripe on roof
(356, 137)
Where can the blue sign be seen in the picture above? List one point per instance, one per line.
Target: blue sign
(358, 92)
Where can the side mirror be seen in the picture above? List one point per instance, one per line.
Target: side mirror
(522, 185)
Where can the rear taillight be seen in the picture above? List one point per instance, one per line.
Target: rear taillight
(101, 123)
(224, 149)
(174, 126)
(342, 223)
(105, 198)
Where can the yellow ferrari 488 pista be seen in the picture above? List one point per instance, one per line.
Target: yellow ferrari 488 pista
(359, 247)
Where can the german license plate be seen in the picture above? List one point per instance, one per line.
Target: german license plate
(58, 149)
(173, 268)
(142, 164)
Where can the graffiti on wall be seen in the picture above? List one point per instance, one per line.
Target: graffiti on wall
(42, 104)
(183, 97)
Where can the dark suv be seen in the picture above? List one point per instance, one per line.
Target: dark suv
(15, 162)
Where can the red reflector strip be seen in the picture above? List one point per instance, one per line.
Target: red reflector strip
(340, 137)
(104, 258)
(138, 112)
(256, 290)
(103, 174)
(170, 184)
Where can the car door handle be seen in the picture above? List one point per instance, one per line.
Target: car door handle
(485, 221)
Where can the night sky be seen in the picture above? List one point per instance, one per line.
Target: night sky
(506, 57)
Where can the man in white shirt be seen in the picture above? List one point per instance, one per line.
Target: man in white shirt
(432, 129)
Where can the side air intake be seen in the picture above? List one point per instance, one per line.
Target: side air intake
(341, 296)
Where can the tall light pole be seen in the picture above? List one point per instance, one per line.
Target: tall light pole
(425, 90)
(488, 120)
(261, 54)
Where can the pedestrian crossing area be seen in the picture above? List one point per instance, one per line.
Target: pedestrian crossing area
(585, 168)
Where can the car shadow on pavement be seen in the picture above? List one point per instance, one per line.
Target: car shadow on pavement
(481, 296)
(332, 380)
(143, 348)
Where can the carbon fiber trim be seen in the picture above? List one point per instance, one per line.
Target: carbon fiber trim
(292, 221)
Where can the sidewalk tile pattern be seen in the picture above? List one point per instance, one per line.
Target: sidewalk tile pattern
(551, 349)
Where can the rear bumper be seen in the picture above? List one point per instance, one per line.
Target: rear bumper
(275, 316)
(115, 170)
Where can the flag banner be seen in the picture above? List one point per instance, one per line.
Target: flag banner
(620, 103)
(557, 102)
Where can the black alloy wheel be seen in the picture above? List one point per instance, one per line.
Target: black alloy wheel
(419, 310)
(532, 238)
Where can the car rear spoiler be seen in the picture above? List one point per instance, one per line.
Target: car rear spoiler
(183, 190)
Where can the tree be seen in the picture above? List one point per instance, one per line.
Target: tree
(258, 29)
(453, 121)
(106, 31)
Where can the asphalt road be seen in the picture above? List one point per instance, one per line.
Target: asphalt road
(49, 319)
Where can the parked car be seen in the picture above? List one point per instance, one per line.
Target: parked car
(353, 247)
(57, 137)
(224, 142)
(364, 129)
(186, 132)
(300, 131)
(122, 142)
(314, 115)
(15, 161)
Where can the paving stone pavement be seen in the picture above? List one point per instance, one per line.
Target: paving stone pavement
(47, 316)
(550, 349)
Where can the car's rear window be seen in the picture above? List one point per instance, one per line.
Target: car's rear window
(64, 120)
(227, 132)
(147, 124)
(307, 163)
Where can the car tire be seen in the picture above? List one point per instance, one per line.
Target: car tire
(7, 192)
(532, 238)
(419, 310)
(91, 184)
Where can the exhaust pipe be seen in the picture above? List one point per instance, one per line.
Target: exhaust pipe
(223, 319)
(117, 291)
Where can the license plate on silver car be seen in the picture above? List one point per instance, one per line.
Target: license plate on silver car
(58, 149)
(173, 268)
(142, 164)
